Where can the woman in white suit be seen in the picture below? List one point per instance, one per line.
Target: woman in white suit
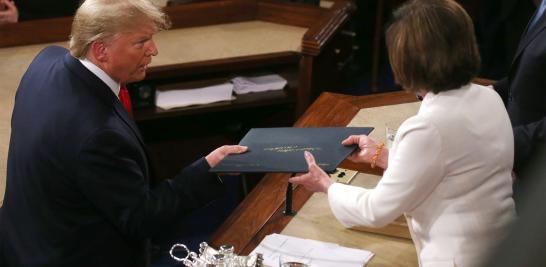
(449, 169)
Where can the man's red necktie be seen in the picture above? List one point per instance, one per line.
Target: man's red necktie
(125, 99)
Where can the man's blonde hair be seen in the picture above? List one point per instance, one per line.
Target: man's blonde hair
(102, 19)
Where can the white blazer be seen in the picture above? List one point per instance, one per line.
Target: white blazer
(449, 172)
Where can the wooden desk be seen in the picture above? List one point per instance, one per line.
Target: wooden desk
(260, 213)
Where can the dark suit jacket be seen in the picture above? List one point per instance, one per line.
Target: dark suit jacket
(77, 180)
(526, 240)
(524, 91)
(498, 29)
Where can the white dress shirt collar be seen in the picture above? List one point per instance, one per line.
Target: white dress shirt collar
(114, 86)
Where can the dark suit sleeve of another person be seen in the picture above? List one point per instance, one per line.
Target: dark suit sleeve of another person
(526, 240)
(526, 138)
(111, 178)
(502, 87)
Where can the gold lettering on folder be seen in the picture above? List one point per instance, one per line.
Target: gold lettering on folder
(287, 149)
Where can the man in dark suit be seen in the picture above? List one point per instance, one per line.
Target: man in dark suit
(499, 26)
(524, 90)
(526, 240)
(77, 189)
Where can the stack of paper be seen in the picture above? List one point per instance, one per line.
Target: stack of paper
(311, 252)
(187, 97)
(243, 85)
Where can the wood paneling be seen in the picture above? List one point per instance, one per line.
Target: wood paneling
(265, 99)
(323, 30)
(211, 12)
(35, 32)
(301, 15)
(232, 64)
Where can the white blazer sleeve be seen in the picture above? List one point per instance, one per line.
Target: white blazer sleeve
(415, 168)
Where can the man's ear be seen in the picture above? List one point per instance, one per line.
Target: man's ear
(98, 49)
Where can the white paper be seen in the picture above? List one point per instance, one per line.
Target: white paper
(312, 252)
(243, 85)
(187, 97)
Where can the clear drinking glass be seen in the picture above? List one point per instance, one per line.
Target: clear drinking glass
(390, 133)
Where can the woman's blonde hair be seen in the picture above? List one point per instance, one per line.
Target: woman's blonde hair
(432, 46)
(102, 19)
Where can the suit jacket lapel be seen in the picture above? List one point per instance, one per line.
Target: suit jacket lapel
(122, 113)
(529, 35)
(103, 92)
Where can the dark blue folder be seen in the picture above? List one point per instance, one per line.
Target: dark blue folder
(281, 149)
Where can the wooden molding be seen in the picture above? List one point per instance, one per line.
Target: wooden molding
(301, 15)
(211, 12)
(318, 35)
(262, 99)
(187, 15)
(35, 32)
(233, 63)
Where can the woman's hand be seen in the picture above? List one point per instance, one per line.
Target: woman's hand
(316, 180)
(366, 150)
(220, 153)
